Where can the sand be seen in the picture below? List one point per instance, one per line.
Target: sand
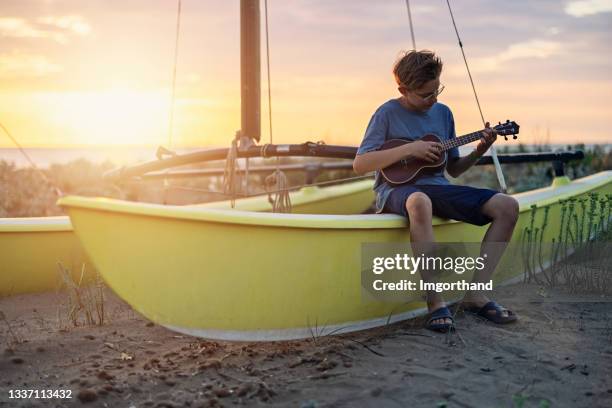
(558, 354)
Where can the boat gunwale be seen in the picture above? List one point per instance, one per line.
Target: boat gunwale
(308, 194)
(60, 223)
(305, 196)
(318, 221)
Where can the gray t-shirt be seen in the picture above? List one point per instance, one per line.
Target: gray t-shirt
(392, 121)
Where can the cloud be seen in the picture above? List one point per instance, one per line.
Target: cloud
(358, 14)
(50, 27)
(540, 49)
(530, 49)
(75, 24)
(18, 65)
(18, 27)
(588, 7)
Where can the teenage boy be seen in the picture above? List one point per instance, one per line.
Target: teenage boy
(415, 113)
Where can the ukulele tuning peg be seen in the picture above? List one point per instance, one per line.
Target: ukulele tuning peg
(507, 120)
(499, 123)
(514, 137)
(506, 138)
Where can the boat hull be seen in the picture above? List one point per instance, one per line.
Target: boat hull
(240, 275)
(31, 249)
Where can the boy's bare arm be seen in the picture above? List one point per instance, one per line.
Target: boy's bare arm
(376, 160)
(458, 166)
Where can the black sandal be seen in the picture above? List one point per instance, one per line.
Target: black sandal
(498, 317)
(439, 314)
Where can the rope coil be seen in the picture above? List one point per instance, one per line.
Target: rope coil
(277, 184)
(229, 173)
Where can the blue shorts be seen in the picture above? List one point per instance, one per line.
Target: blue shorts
(461, 203)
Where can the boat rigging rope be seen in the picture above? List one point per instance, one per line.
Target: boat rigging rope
(229, 173)
(411, 25)
(55, 189)
(277, 182)
(172, 97)
(176, 45)
(498, 169)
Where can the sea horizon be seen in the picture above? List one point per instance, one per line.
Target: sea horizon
(117, 155)
(127, 155)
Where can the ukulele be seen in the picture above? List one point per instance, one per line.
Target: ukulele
(406, 170)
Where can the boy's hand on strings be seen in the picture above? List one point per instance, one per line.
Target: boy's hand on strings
(489, 136)
(427, 151)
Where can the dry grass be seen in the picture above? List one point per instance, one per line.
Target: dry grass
(13, 338)
(25, 193)
(85, 304)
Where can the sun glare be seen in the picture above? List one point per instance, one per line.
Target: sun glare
(110, 117)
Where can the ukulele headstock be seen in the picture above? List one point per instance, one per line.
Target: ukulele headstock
(508, 128)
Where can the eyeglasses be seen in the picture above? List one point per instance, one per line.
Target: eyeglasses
(431, 95)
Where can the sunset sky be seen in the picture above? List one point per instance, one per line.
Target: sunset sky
(99, 72)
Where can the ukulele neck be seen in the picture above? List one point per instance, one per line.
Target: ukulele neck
(462, 140)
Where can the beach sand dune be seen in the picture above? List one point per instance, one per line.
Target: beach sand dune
(558, 354)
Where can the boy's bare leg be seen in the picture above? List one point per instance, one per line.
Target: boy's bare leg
(419, 209)
(503, 210)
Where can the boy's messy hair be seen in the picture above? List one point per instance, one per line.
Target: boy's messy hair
(414, 68)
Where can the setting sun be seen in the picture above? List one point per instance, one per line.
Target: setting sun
(115, 117)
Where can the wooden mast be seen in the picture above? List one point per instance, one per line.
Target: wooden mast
(250, 76)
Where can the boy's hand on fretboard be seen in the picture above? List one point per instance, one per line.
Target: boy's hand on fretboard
(489, 136)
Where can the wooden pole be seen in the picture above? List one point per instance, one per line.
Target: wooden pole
(250, 76)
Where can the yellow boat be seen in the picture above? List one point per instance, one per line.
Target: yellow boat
(244, 275)
(31, 248)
